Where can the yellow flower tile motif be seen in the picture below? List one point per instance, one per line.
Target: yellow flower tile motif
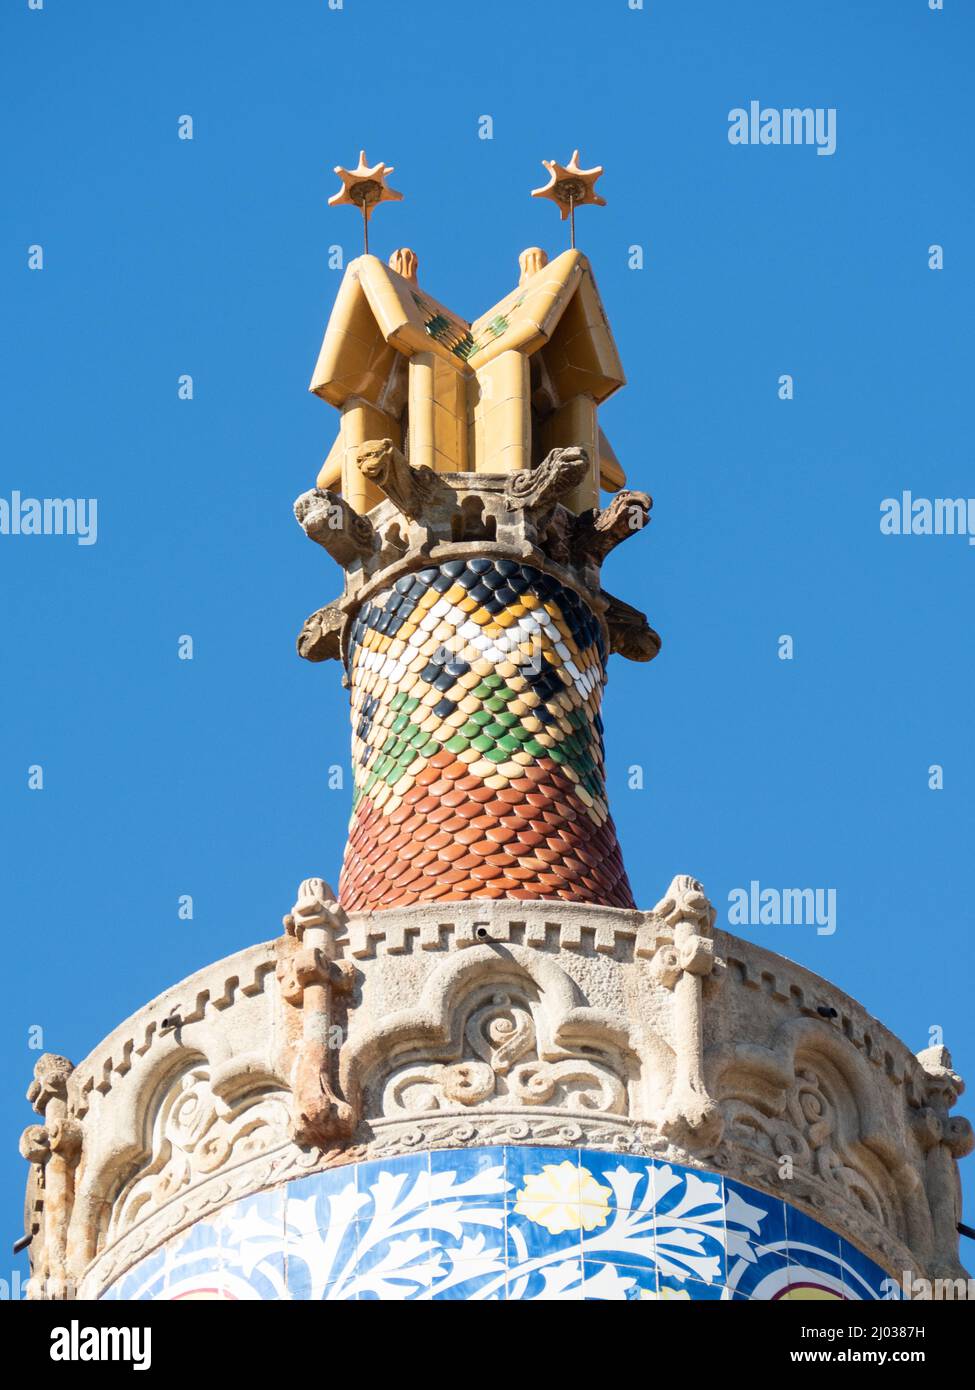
(564, 1197)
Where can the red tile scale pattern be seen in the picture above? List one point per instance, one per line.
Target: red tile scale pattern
(477, 743)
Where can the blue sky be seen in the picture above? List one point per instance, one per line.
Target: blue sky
(210, 257)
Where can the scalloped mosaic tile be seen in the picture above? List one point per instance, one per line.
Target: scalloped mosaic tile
(478, 744)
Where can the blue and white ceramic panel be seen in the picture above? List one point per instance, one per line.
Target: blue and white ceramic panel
(500, 1223)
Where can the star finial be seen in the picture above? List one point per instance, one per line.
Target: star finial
(364, 188)
(570, 187)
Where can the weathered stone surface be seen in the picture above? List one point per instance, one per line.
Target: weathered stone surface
(596, 533)
(629, 632)
(326, 518)
(320, 638)
(412, 490)
(538, 489)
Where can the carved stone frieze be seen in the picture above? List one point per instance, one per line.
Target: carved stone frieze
(196, 1133)
(497, 1031)
(505, 1061)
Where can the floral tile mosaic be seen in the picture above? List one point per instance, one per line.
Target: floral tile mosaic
(507, 1223)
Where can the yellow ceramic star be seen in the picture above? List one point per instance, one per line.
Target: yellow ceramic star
(569, 186)
(364, 188)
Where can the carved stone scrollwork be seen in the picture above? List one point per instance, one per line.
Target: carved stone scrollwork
(327, 519)
(804, 1127)
(197, 1132)
(532, 1023)
(506, 1065)
(809, 1106)
(504, 1035)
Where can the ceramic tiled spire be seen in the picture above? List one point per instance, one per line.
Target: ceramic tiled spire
(462, 500)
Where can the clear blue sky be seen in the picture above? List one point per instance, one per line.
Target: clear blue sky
(161, 257)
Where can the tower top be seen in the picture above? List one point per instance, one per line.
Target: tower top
(461, 500)
(524, 377)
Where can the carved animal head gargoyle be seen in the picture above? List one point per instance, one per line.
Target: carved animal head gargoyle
(599, 531)
(320, 637)
(326, 518)
(537, 490)
(585, 540)
(629, 632)
(412, 490)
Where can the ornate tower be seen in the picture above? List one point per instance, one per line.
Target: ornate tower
(473, 625)
(482, 1071)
